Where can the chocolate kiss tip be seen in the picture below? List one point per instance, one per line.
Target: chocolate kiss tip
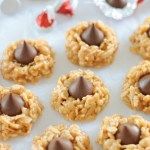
(80, 88)
(11, 104)
(92, 36)
(25, 53)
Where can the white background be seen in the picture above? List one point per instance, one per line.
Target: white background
(22, 26)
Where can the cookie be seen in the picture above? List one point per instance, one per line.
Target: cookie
(27, 61)
(91, 44)
(4, 147)
(79, 95)
(62, 137)
(19, 109)
(141, 40)
(125, 133)
(136, 91)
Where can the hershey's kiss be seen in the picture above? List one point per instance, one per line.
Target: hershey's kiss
(80, 88)
(11, 104)
(60, 144)
(25, 53)
(0, 110)
(92, 36)
(117, 3)
(148, 32)
(128, 133)
(144, 84)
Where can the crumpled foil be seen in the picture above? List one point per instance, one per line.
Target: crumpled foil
(116, 13)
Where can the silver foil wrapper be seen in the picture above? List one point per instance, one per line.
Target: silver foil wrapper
(116, 13)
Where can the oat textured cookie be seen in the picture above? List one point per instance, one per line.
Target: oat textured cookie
(91, 44)
(79, 95)
(27, 61)
(62, 137)
(136, 91)
(125, 133)
(4, 147)
(19, 109)
(141, 40)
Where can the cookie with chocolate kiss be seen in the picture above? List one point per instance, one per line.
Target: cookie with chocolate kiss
(11, 104)
(60, 144)
(92, 36)
(25, 53)
(128, 133)
(80, 88)
(117, 3)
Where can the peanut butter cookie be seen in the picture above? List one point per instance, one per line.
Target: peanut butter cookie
(91, 44)
(27, 61)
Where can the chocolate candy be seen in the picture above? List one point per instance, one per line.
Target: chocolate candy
(0, 110)
(128, 133)
(66, 7)
(92, 36)
(148, 32)
(60, 144)
(11, 104)
(117, 3)
(25, 53)
(46, 18)
(144, 84)
(80, 88)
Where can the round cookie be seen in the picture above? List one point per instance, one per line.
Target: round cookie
(136, 88)
(124, 133)
(19, 109)
(4, 147)
(91, 44)
(141, 40)
(27, 61)
(62, 137)
(79, 95)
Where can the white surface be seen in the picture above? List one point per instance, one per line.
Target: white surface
(21, 26)
(5, 6)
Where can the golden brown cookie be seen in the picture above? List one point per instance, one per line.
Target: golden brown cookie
(27, 61)
(136, 91)
(91, 44)
(124, 133)
(4, 147)
(80, 95)
(66, 136)
(141, 40)
(19, 109)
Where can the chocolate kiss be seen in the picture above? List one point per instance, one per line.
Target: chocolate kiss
(117, 3)
(0, 110)
(11, 104)
(60, 144)
(92, 36)
(25, 53)
(128, 133)
(148, 32)
(80, 88)
(144, 84)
